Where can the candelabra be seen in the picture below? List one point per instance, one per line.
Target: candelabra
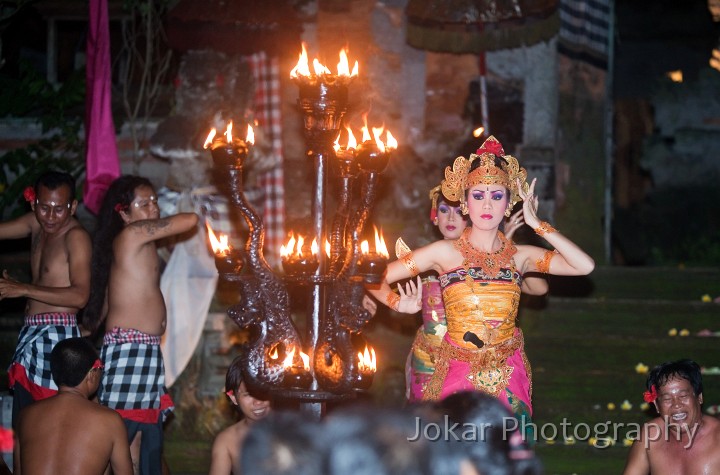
(331, 360)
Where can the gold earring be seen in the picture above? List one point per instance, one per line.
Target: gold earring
(464, 208)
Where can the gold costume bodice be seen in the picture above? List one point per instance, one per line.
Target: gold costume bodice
(486, 306)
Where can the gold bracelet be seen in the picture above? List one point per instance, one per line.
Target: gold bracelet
(392, 300)
(543, 263)
(544, 229)
(409, 263)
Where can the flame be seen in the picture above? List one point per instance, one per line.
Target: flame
(380, 246)
(365, 131)
(228, 132)
(390, 141)
(301, 68)
(300, 242)
(478, 132)
(320, 69)
(314, 247)
(250, 137)
(219, 243)
(305, 360)
(274, 353)
(327, 247)
(364, 247)
(287, 250)
(288, 361)
(352, 142)
(209, 138)
(336, 144)
(377, 131)
(367, 361)
(675, 76)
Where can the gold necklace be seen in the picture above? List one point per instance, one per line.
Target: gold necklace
(489, 262)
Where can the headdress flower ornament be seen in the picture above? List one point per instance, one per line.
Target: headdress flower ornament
(29, 194)
(229, 392)
(120, 207)
(98, 365)
(650, 396)
(459, 178)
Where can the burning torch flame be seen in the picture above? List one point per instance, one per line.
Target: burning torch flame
(377, 131)
(250, 138)
(390, 141)
(288, 361)
(302, 68)
(380, 246)
(314, 247)
(367, 361)
(365, 247)
(274, 354)
(228, 132)
(478, 132)
(327, 248)
(306, 361)
(219, 244)
(285, 251)
(209, 138)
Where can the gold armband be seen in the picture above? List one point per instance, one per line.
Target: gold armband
(409, 263)
(543, 263)
(392, 300)
(544, 229)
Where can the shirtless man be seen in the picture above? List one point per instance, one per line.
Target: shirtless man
(126, 295)
(682, 440)
(60, 263)
(227, 447)
(78, 437)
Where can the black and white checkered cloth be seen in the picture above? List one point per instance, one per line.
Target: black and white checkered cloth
(133, 382)
(36, 340)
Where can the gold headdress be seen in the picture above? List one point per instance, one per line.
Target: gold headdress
(459, 178)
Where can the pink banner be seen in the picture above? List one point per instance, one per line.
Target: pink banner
(101, 159)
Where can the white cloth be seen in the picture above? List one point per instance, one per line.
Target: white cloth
(188, 284)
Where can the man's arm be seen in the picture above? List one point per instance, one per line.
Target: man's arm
(79, 249)
(637, 462)
(221, 463)
(120, 460)
(18, 228)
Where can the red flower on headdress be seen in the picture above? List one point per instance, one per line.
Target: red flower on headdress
(229, 392)
(491, 145)
(120, 207)
(98, 364)
(651, 395)
(29, 194)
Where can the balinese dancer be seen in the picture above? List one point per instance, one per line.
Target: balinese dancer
(126, 295)
(451, 223)
(480, 276)
(60, 253)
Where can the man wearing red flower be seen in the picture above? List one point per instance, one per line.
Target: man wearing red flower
(682, 440)
(60, 253)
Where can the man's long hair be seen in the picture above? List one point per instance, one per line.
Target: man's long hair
(109, 224)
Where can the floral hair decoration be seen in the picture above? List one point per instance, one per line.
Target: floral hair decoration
(29, 194)
(229, 392)
(459, 178)
(120, 207)
(650, 396)
(98, 364)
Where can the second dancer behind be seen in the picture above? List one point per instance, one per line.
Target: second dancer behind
(480, 276)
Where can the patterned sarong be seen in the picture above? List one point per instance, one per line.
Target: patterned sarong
(133, 382)
(30, 367)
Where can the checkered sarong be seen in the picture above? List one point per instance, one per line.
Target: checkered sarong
(133, 382)
(31, 362)
(267, 107)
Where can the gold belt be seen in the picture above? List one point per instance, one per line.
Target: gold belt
(488, 373)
